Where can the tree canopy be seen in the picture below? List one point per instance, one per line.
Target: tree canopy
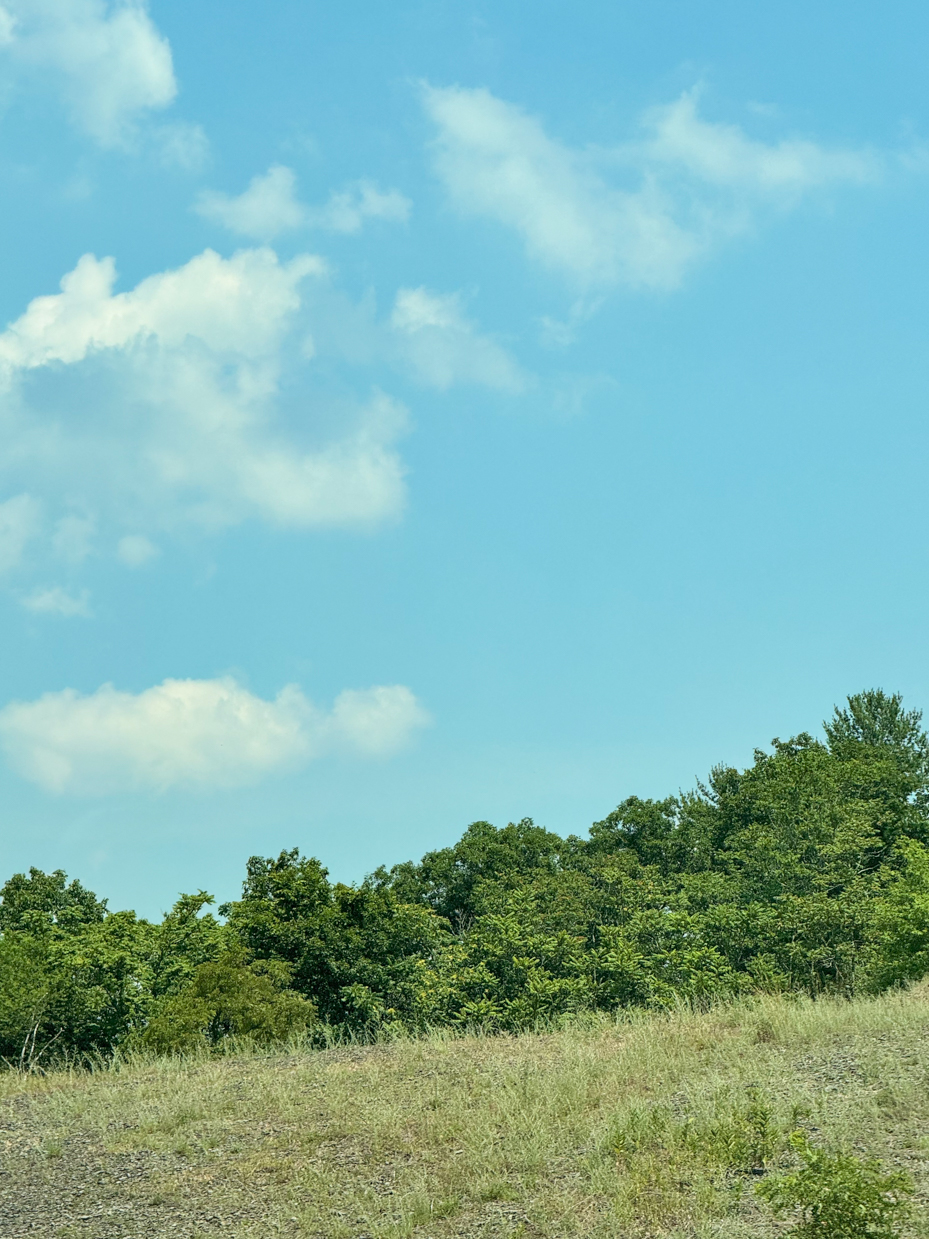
(808, 871)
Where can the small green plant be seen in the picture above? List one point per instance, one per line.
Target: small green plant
(838, 1195)
(746, 1138)
(739, 1135)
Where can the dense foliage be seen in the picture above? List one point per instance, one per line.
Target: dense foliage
(809, 871)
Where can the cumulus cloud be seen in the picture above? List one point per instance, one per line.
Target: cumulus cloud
(57, 601)
(235, 305)
(443, 347)
(374, 721)
(193, 733)
(639, 214)
(270, 206)
(168, 412)
(109, 62)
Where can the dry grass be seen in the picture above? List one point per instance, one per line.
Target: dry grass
(644, 1127)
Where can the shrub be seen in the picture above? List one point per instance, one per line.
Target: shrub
(227, 998)
(838, 1196)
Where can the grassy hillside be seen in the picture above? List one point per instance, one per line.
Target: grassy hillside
(658, 1125)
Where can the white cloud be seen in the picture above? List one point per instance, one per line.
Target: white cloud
(194, 733)
(375, 721)
(109, 61)
(270, 206)
(135, 550)
(57, 601)
(19, 524)
(444, 347)
(719, 154)
(347, 210)
(426, 336)
(167, 415)
(234, 305)
(638, 215)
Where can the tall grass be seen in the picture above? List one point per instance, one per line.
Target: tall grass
(642, 1125)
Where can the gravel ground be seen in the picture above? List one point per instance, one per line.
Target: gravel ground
(74, 1189)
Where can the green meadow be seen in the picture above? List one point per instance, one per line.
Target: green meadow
(639, 1031)
(654, 1124)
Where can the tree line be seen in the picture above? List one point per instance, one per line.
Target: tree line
(806, 872)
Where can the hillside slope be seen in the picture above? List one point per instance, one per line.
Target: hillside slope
(656, 1126)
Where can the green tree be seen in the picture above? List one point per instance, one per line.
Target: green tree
(42, 900)
(447, 880)
(185, 939)
(884, 752)
(899, 940)
(356, 952)
(227, 999)
(24, 999)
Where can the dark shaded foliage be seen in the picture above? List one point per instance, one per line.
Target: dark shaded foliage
(223, 998)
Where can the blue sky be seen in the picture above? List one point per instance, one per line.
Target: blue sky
(440, 411)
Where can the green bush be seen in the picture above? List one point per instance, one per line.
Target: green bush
(838, 1195)
(227, 998)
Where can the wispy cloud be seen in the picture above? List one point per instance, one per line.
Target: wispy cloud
(183, 145)
(20, 521)
(135, 550)
(57, 601)
(638, 214)
(72, 540)
(270, 206)
(443, 346)
(194, 733)
(347, 210)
